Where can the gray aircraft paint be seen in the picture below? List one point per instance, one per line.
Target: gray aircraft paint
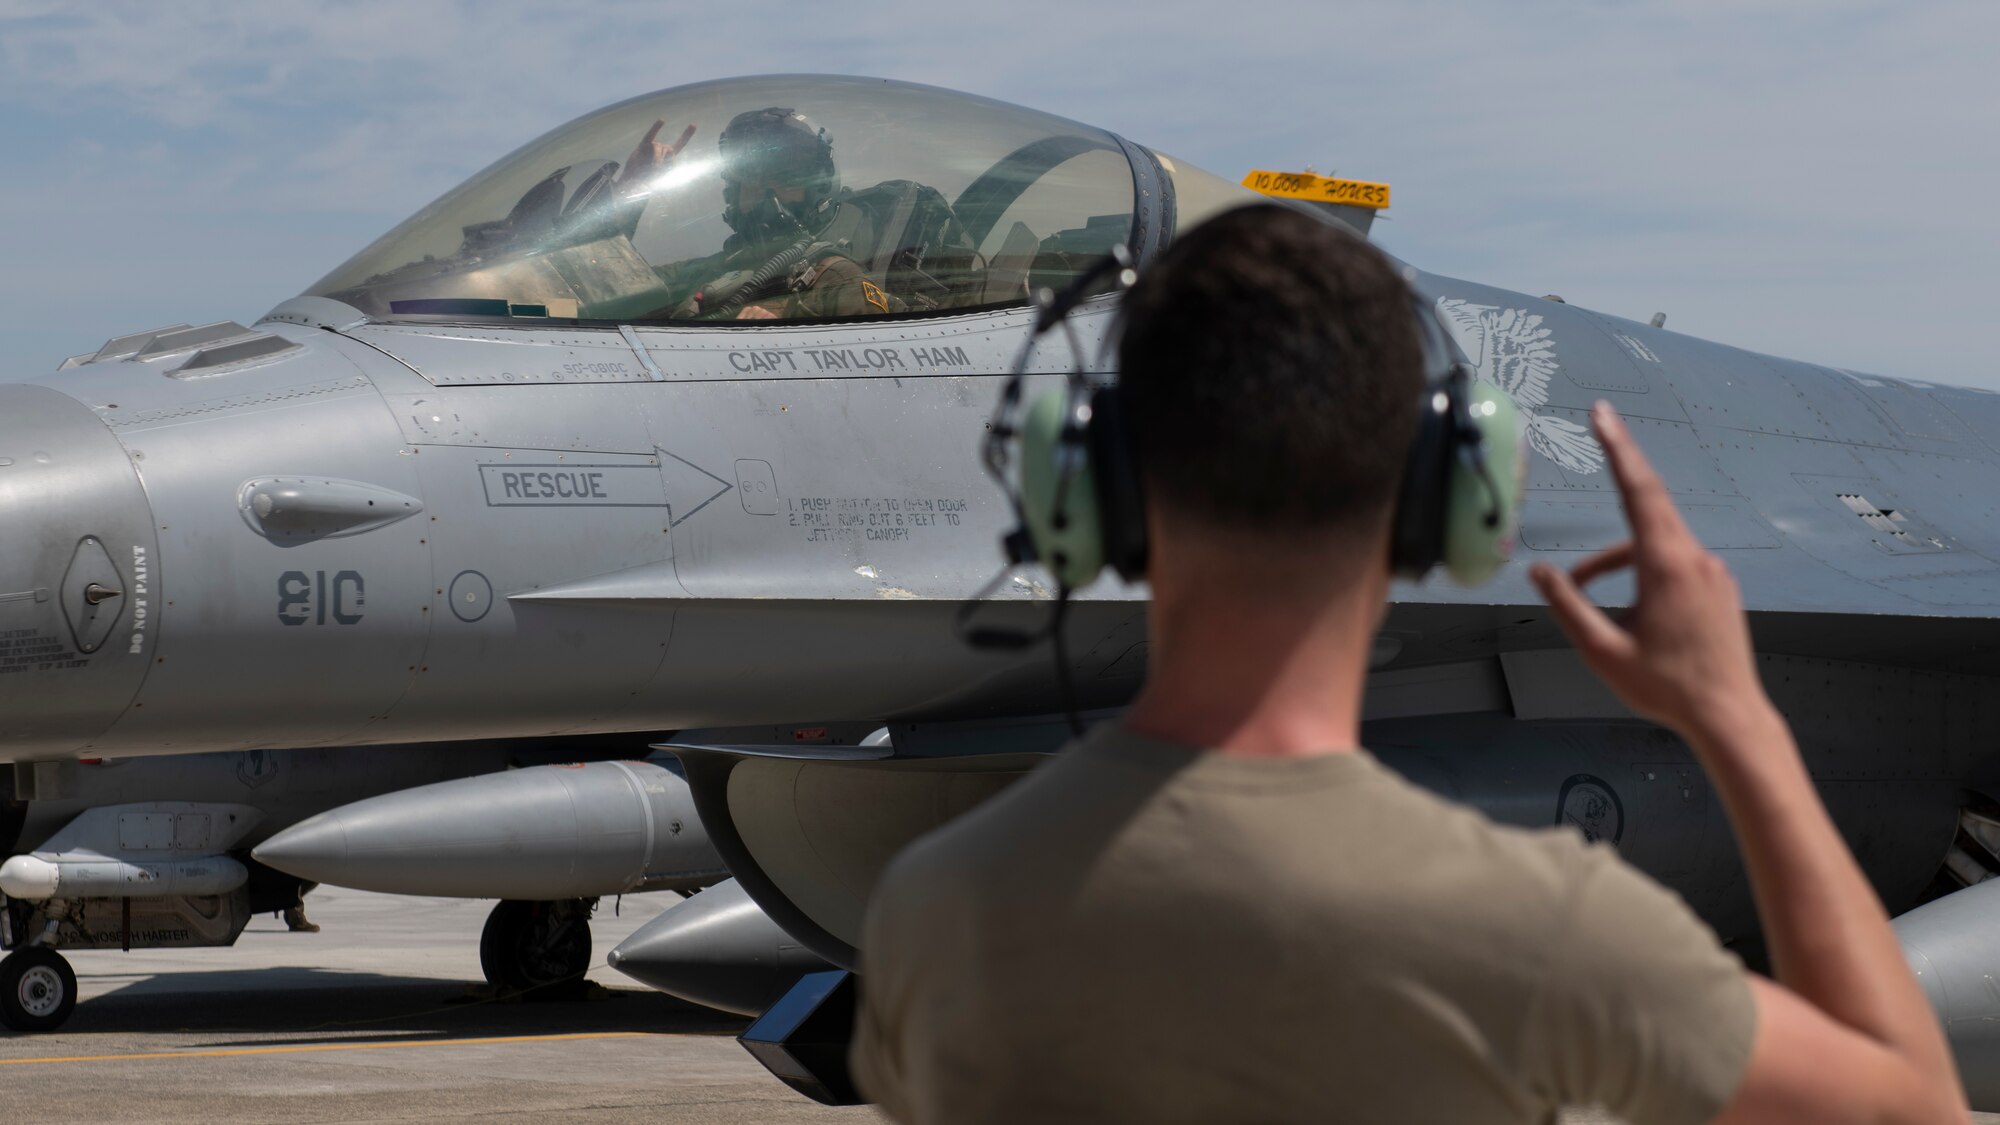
(716, 948)
(79, 817)
(1949, 946)
(285, 785)
(579, 830)
(743, 524)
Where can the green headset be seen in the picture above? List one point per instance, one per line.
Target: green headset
(1081, 505)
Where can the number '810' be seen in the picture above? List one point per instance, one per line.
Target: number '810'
(314, 598)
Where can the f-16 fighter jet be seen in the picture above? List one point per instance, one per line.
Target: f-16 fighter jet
(667, 421)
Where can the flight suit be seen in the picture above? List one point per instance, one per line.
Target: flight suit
(835, 285)
(821, 283)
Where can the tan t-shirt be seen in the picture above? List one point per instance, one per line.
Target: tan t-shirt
(1140, 931)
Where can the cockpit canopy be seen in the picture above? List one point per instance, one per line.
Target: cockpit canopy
(799, 198)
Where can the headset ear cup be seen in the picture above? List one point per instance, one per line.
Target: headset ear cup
(1121, 499)
(1416, 528)
(1059, 493)
(1480, 528)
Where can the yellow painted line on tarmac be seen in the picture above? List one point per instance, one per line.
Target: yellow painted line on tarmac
(294, 1050)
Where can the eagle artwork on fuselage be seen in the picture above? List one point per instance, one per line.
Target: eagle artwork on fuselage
(1510, 349)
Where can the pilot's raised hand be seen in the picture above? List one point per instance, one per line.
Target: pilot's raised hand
(650, 157)
(1681, 655)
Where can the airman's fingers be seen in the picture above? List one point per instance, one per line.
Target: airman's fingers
(687, 135)
(1607, 561)
(1649, 507)
(1594, 634)
(653, 133)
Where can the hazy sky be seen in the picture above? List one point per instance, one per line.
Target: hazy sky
(1810, 179)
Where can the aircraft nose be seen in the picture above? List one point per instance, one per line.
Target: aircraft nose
(78, 574)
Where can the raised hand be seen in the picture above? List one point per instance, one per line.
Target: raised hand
(1681, 655)
(650, 156)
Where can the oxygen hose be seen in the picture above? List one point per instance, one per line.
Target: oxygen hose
(779, 262)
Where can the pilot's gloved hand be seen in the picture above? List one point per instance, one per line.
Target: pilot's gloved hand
(649, 158)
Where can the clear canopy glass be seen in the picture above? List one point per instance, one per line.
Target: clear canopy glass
(797, 198)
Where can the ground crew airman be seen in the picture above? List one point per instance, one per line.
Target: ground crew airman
(1221, 908)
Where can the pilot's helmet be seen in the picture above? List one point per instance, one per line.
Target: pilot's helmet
(777, 145)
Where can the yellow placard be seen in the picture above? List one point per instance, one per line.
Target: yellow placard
(1319, 189)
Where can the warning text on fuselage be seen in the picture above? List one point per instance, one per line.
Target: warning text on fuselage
(603, 486)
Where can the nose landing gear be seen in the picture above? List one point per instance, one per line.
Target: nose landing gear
(37, 989)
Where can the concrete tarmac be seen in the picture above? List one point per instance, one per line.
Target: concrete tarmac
(382, 1017)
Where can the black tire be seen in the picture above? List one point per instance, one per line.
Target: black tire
(532, 945)
(37, 989)
(498, 940)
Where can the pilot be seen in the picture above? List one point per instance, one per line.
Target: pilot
(781, 194)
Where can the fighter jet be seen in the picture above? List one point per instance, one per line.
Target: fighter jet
(667, 422)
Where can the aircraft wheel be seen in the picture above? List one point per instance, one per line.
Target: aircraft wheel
(529, 945)
(37, 989)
